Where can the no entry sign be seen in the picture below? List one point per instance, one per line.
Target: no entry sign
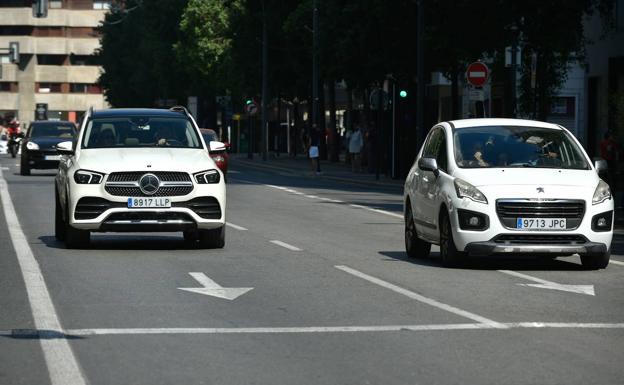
(477, 74)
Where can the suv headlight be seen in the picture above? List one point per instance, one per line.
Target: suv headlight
(602, 193)
(88, 177)
(466, 190)
(209, 176)
(32, 146)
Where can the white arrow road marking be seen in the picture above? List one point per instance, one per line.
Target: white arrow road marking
(543, 284)
(213, 289)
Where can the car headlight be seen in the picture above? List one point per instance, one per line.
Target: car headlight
(602, 193)
(32, 146)
(88, 177)
(209, 176)
(466, 190)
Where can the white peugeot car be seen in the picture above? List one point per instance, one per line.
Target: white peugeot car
(135, 170)
(491, 187)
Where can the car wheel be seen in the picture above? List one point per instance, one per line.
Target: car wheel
(24, 169)
(59, 222)
(213, 238)
(75, 238)
(451, 257)
(414, 246)
(592, 262)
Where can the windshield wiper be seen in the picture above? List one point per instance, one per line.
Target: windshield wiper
(522, 165)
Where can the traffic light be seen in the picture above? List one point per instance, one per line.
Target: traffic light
(40, 8)
(14, 55)
(248, 101)
(403, 93)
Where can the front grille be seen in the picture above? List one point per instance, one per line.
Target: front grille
(134, 176)
(509, 210)
(541, 239)
(205, 207)
(92, 207)
(136, 192)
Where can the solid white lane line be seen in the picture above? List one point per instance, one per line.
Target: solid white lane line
(616, 262)
(285, 245)
(5, 168)
(378, 211)
(62, 364)
(321, 329)
(421, 298)
(236, 227)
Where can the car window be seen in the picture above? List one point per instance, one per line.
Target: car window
(52, 131)
(140, 131)
(517, 146)
(441, 154)
(433, 143)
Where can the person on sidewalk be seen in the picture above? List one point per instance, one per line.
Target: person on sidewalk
(313, 151)
(355, 147)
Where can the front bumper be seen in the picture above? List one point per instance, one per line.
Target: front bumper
(37, 159)
(490, 248)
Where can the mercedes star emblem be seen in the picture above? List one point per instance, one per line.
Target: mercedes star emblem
(149, 184)
(540, 189)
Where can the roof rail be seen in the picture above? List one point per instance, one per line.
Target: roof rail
(179, 109)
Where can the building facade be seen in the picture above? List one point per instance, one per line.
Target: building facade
(57, 64)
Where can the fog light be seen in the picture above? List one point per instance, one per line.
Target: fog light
(474, 221)
(602, 222)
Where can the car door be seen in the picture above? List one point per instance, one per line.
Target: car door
(423, 187)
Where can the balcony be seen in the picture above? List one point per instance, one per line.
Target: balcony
(67, 74)
(56, 17)
(9, 101)
(52, 45)
(71, 102)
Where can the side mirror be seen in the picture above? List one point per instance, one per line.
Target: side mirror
(428, 164)
(600, 165)
(65, 148)
(216, 146)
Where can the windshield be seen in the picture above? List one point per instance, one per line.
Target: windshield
(515, 146)
(52, 131)
(140, 131)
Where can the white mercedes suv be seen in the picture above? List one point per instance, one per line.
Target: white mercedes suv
(492, 187)
(139, 170)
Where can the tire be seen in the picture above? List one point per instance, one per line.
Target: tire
(75, 238)
(24, 169)
(414, 246)
(59, 222)
(596, 262)
(212, 239)
(451, 257)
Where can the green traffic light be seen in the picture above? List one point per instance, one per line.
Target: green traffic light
(403, 93)
(248, 101)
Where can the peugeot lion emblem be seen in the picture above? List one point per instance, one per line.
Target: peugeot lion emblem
(540, 189)
(149, 184)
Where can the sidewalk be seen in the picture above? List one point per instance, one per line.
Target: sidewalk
(301, 166)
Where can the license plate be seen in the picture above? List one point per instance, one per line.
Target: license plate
(541, 223)
(52, 157)
(149, 203)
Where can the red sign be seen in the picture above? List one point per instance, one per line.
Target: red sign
(477, 74)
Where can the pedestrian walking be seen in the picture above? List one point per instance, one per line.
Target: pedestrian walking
(355, 147)
(313, 149)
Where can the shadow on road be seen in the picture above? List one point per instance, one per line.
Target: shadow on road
(495, 263)
(127, 242)
(40, 334)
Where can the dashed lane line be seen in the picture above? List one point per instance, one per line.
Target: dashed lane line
(421, 298)
(619, 263)
(285, 245)
(60, 360)
(236, 227)
(309, 196)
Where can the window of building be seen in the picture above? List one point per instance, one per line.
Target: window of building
(83, 60)
(8, 87)
(15, 30)
(53, 60)
(15, 3)
(101, 4)
(563, 106)
(78, 88)
(4, 59)
(46, 88)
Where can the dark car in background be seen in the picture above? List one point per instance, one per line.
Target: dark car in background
(218, 154)
(39, 144)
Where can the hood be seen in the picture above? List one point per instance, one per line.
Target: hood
(109, 160)
(532, 183)
(48, 142)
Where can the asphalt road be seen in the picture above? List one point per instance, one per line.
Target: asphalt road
(334, 300)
